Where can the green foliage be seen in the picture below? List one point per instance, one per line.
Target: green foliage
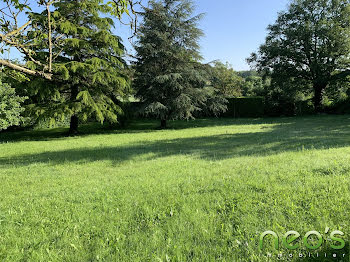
(226, 81)
(309, 42)
(338, 91)
(339, 98)
(246, 74)
(10, 107)
(19, 5)
(169, 79)
(120, 7)
(339, 107)
(253, 86)
(245, 107)
(89, 67)
(288, 98)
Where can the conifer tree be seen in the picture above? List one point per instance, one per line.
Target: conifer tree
(169, 79)
(87, 59)
(16, 26)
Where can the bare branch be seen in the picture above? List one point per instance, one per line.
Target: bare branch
(25, 70)
(50, 34)
(16, 31)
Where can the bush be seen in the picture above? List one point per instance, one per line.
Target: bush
(10, 107)
(340, 107)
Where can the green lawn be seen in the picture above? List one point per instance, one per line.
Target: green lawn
(203, 191)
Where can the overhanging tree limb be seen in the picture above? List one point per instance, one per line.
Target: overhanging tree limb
(16, 31)
(14, 36)
(25, 70)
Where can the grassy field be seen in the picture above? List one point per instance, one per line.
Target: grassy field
(202, 191)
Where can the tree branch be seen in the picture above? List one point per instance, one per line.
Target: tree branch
(25, 70)
(15, 32)
(50, 33)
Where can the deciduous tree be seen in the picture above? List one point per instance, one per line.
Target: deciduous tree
(226, 80)
(308, 42)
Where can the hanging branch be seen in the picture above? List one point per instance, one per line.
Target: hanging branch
(14, 36)
(128, 7)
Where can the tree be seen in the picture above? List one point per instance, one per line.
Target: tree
(16, 35)
(226, 80)
(88, 64)
(10, 107)
(253, 86)
(309, 42)
(249, 73)
(169, 79)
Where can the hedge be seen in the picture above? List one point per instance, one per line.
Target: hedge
(245, 107)
(236, 107)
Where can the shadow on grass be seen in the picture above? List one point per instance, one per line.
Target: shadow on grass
(135, 126)
(143, 126)
(301, 134)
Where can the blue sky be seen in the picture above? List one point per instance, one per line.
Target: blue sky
(236, 28)
(233, 28)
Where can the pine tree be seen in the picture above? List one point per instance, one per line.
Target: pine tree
(88, 58)
(169, 78)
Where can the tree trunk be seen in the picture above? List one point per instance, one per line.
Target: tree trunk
(74, 123)
(74, 120)
(318, 89)
(163, 124)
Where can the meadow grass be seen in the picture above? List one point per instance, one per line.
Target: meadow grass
(202, 190)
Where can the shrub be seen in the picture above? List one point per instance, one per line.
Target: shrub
(340, 107)
(10, 107)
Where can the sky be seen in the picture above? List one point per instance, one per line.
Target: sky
(236, 28)
(233, 29)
